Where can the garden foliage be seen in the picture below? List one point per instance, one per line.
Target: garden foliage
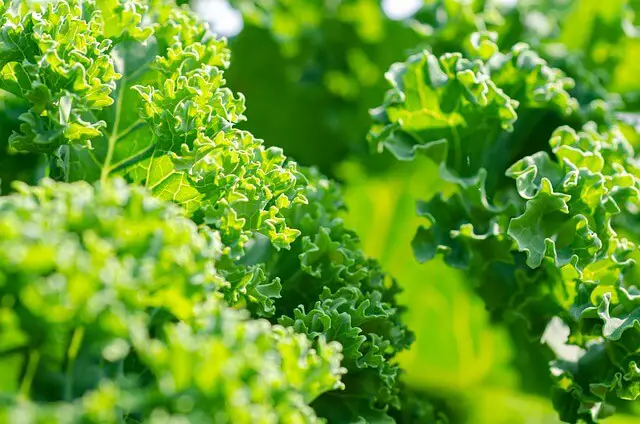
(530, 110)
(160, 262)
(543, 212)
(168, 265)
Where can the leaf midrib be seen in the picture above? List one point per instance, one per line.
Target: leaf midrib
(113, 138)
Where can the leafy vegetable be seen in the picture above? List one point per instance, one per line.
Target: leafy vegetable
(543, 250)
(442, 103)
(134, 90)
(111, 313)
(164, 264)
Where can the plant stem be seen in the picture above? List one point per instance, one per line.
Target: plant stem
(114, 133)
(30, 372)
(72, 354)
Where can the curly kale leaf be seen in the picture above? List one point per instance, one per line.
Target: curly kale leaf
(111, 312)
(327, 288)
(556, 242)
(170, 126)
(109, 94)
(471, 113)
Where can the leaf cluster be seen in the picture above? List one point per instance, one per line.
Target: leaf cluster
(171, 266)
(546, 182)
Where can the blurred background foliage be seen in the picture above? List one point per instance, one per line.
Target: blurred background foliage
(311, 71)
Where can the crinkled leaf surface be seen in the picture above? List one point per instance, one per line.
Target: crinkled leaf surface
(111, 306)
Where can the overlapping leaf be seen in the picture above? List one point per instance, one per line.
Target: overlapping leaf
(111, 311)
(331, 289)
(469, 104)
(570, 204)
(150, 104)
(59, 62)
(169, 125)
(548, 245)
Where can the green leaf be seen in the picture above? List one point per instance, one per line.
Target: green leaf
(112, 297)
(471, 104)
(167, 122)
